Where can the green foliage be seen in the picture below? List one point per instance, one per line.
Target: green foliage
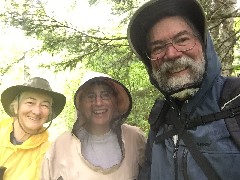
(69, 114)
(98, 49)
(143, 95)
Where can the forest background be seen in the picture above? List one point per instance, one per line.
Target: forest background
(61, 40)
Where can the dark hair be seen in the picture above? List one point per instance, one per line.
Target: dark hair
(98, 82)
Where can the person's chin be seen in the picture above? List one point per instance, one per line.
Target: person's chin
(185, 94)
(99, 121)
(173, 84)
(33, 130)
(181, 88)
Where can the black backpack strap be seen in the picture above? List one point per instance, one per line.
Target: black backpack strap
(165, 135)
(230, 91)
(200, 159)
(230, 98)
(230, 109)
(234, 129)
(201, 120)
(157, 118)
(157, 111)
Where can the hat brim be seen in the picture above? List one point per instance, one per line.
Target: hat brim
(124, 99)
(10, 94)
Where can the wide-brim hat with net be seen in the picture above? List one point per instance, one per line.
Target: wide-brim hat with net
(152, 11)
(124, 99)
(35, 84)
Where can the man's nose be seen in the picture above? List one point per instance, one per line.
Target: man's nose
(171, 52)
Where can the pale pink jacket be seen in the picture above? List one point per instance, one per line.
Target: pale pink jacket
(65, 161)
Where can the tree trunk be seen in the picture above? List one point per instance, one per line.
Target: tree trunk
(220, 16)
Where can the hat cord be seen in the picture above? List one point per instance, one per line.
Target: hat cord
(33, 133)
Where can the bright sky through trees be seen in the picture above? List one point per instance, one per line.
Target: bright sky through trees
(80, 13)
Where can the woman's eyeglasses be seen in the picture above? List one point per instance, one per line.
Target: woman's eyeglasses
(104, 95)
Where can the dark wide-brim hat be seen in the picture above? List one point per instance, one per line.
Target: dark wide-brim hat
(149, 13)
(36, 84)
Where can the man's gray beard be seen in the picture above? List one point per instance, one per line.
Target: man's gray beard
(175, 83)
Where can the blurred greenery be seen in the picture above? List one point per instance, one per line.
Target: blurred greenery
(72, 49)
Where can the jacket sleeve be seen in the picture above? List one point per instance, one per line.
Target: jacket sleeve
(141, 147)
(48, 166)
(154, 120)
(145, 170)
(45, 170)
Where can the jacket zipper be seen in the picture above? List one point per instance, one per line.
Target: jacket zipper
(176, 142)
(184, 164)
(175, 156)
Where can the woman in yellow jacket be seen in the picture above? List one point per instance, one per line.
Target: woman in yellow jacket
(23, 139)
(100, 146)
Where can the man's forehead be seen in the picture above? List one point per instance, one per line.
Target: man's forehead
(168, 28)
(173, 23)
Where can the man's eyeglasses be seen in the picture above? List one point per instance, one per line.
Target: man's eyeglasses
(182, 43)
(104, 95)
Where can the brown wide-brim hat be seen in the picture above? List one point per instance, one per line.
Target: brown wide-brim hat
(36, 84)
(152, 11)
(124, 99)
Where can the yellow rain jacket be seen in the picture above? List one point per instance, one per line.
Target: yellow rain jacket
(23, 161)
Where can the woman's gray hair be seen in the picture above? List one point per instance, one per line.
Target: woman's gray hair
(13, 105)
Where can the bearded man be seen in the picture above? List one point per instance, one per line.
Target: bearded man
(171, 38)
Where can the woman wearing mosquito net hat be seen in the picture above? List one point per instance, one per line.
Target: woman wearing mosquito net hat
(100, 145)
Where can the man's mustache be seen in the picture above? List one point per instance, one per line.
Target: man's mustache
(177, 63)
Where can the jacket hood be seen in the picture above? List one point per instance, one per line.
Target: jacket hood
(149, 13)
(31, 143)
(124, 99)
